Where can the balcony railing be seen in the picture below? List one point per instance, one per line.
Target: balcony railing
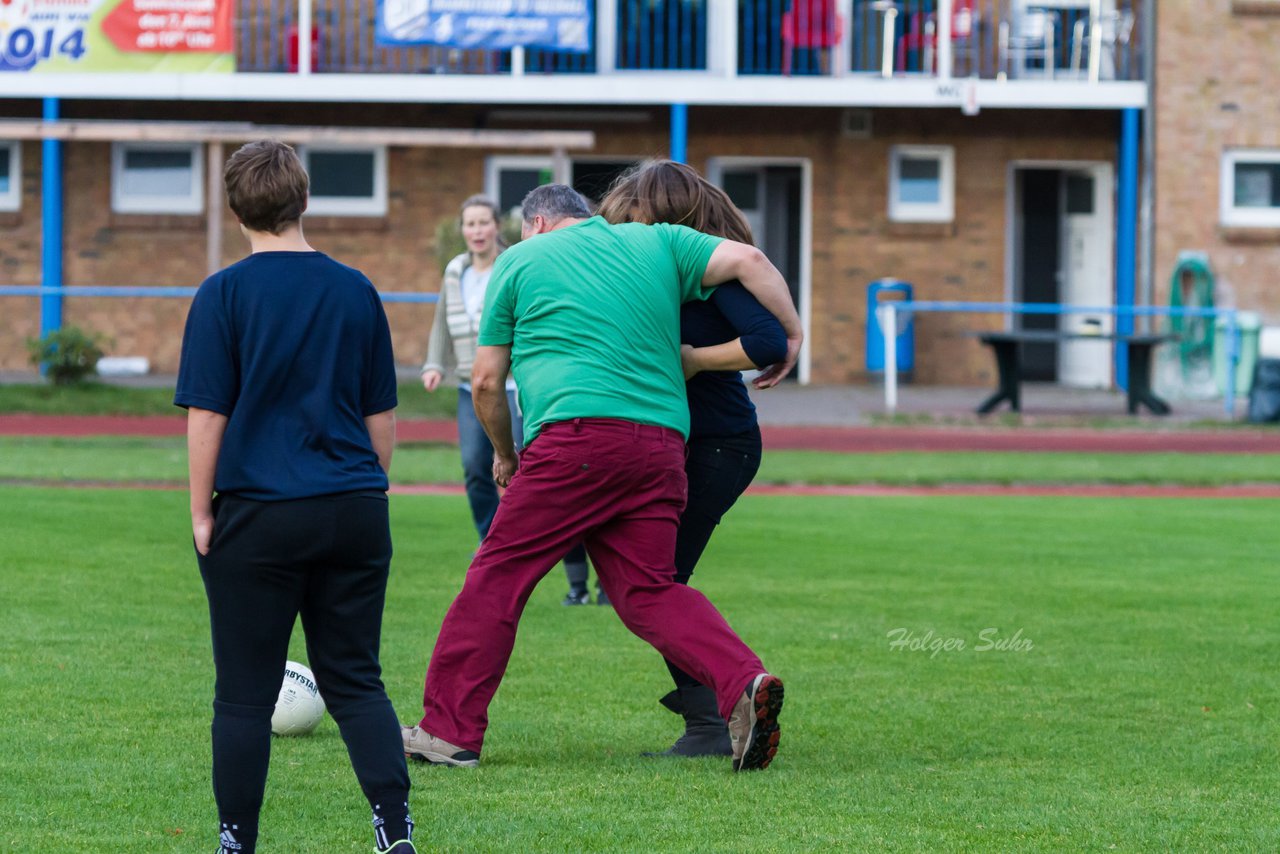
(1095, 40)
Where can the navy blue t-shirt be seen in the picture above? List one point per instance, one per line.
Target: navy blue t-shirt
(294, 349)
(718, 401)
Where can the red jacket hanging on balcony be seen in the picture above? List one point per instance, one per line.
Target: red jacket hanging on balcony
(809, 25)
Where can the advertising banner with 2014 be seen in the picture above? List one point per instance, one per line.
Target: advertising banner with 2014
(116, 35)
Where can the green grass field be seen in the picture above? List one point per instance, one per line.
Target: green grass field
(1143, 717)
(163, 460)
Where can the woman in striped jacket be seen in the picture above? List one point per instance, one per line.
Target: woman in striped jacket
(452, 346)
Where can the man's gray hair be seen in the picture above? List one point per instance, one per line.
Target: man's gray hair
(554, 202)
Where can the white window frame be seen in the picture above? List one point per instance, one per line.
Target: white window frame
(943, 210)
(192, 203)
(1236, 217)
(12, 200)
(495, 164)
(375, 205)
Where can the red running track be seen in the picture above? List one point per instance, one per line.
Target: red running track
(1098, 490)
(841, 439)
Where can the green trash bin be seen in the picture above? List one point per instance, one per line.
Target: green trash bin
(1248, 332)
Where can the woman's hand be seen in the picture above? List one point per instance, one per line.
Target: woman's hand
(774, 374)
(688, 361)
(431, 379)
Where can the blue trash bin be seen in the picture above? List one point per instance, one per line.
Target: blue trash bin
(883, 290)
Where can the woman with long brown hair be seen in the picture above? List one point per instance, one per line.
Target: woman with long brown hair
(728, 333)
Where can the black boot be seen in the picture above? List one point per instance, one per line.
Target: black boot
(705, 732)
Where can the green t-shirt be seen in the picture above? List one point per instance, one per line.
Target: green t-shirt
(592, 315)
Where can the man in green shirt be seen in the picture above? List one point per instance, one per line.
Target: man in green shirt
(587, 315)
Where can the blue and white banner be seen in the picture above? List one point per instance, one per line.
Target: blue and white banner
(559, 25)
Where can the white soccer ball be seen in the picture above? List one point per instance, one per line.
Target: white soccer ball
(300, 706)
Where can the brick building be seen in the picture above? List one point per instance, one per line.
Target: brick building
(980, 165)
(1218, 146)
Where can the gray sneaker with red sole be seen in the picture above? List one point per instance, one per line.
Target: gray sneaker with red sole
(753, 725)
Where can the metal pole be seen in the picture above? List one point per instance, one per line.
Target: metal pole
(1126, 234)
(679, 132)
(888, 42)
(213, 209)
(842, 54)
(51, 225)
(1051, 39)
(606, 38)
(1146, 274)
(517, 61)
(304, 37)
(726, 18)
(944, 40)
(1233, 359)
(1095, 40)
(561, 168)
(888, 314)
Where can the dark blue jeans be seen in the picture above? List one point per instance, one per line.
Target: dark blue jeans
(477, 458)
(719, 469)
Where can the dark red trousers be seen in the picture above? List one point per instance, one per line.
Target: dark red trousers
(619, 487)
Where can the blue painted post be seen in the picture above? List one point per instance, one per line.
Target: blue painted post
(679, 132)
(1126, 234)
(51, 225)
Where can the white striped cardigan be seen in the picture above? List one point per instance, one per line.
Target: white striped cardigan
(452, 344)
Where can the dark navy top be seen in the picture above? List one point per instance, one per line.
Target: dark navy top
(294, 349)
(718, 401)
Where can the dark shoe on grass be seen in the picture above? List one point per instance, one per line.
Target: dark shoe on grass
(705, 732)
(576, 598)
(602, 598)
(753, 725)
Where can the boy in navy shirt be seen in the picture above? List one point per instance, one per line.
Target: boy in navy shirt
(288, 378)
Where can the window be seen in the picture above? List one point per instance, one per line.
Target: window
(155, 177)
(922, 183)
(1251, 188)
(1255, 7)
(346, 181)
(593, 178)
(10, 176)
(509, 179)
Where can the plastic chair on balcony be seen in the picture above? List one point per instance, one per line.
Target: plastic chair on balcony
(965, 22)
(291, 35)
(810, 25)
(1115, 28)
(917, 45)
(921, 39)
(1028, 45)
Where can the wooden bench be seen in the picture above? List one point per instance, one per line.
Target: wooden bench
(1008, 352)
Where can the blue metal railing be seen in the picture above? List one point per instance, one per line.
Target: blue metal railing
(661, 34)
(166, 292)
(901, 36)
(989, 39)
